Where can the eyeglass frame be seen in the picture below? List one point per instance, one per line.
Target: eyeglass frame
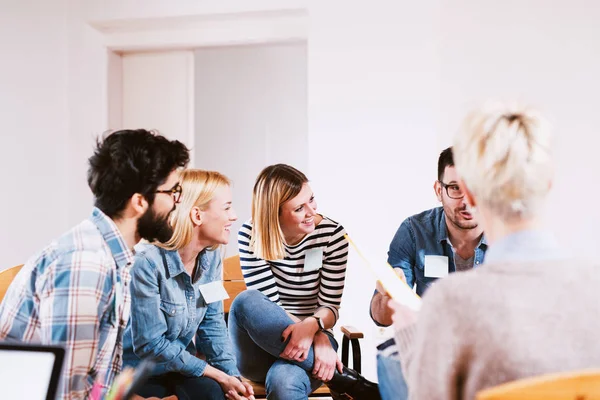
(176, 192)
(445, 186)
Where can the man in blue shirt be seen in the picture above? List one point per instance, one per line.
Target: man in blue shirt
(426, 247)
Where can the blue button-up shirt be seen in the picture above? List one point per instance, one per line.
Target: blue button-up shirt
(168, 309)
(421, 235)
(75, 294)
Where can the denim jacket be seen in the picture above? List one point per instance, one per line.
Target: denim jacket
(425, 234)
(168, 309)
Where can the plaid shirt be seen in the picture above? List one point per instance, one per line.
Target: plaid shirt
(75, 294)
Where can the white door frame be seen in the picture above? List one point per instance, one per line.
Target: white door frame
(188, 33)
(94, 68)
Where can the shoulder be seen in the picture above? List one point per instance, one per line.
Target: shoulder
(330, 227)
(332, 235)
(82, 240)
(427, 221)
(70, 268)
(427, 218)
(82, 248)
(148, 258)
(245, 229)
(328, 231)
(148, 251)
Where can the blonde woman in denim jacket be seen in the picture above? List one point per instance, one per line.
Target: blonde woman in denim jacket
(171, 304)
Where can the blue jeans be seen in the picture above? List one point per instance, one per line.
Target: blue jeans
(392, 385)
(255, 328)
(184, 387)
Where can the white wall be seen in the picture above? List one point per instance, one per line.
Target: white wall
(250, 113)
(373, 93)
(34, 115)
(88, 94)
(546, 54)
(158, 93)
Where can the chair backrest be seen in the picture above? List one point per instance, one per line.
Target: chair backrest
(576, 385)
(233, 280)
(6, 277)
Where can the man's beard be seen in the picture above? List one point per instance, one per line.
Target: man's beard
(460, 223)
(154, 227)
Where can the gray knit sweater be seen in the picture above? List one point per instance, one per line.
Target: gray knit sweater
(492, 325)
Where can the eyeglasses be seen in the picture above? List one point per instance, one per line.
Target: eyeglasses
(175, 191)
(453, 190)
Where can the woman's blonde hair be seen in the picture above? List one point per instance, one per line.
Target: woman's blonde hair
(503, 155)
(275, 185)
(198, 189)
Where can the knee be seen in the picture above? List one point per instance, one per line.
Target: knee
(246, 302)
(250, 368)
(287, 383)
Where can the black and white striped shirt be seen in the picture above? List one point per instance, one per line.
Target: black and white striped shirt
(286, 283)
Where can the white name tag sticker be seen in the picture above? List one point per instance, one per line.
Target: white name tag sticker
(313, 260)
(214, 291)
(436, 266)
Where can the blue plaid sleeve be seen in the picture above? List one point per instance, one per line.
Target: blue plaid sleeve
(74, 299)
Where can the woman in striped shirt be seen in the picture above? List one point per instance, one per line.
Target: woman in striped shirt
(294, 265)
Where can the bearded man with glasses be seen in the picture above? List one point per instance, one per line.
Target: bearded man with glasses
(75, 292)
(426, 247)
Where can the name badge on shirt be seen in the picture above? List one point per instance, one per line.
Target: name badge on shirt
(436, 266)
(214, 291)
(313, 260)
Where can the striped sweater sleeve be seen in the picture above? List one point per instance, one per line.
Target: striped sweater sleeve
(333, 272)
(257, 272)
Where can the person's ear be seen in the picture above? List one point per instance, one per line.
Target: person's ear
(196, 216)
(437, 187)
(138, 204)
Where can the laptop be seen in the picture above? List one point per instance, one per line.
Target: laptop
(30, 371)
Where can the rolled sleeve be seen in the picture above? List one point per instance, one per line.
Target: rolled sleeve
(402, 251)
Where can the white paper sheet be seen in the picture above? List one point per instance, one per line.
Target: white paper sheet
(396, 288)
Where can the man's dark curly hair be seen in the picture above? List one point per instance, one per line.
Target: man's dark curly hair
(129, 162)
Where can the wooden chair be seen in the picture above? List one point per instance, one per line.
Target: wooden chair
(234, 284)
(6, 277)
(577, 385)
